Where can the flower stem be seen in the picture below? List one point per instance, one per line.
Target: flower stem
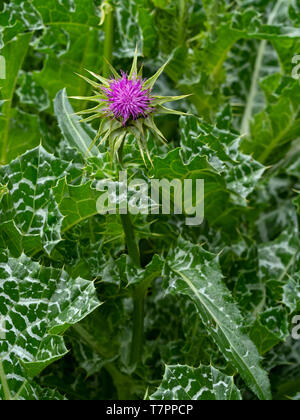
(131, 243)
(108, 41)
(139, 291)
(138, 294)
(181, 27)
(137, 342)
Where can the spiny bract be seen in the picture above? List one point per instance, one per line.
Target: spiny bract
(125, 105)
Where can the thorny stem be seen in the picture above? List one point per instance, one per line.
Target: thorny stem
(137, 342)
(139, 292)
(181, 27)
(131, 243)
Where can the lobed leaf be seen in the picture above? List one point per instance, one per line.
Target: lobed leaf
(204, 383)
(194, 272)
(38, 304)
(30, 218)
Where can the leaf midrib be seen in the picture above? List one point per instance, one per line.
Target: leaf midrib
(72, 123)
(194, 289)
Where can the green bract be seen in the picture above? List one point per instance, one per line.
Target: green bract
(111, 129)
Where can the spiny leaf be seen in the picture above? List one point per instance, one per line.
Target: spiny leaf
(30, 219)
(205, 383)
(270, 328)
(194, 272)
(38, 305)
(75, 202)
(224, 152)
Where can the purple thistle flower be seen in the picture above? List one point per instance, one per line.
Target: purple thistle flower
(125, 105)
(127, 98)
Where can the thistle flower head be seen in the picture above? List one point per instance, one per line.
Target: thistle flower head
(127, 98)
(125, 105)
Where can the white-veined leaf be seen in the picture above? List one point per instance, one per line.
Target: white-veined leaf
(203, 383)
(37, 305)
(192, 271)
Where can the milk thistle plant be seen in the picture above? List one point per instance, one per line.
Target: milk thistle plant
(126, 105)
(96, 304)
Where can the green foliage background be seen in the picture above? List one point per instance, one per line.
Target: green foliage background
(221, 296)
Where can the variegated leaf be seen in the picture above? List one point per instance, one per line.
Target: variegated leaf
(203, 383)
(38, 304)
(192, 271)
(29, 216)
